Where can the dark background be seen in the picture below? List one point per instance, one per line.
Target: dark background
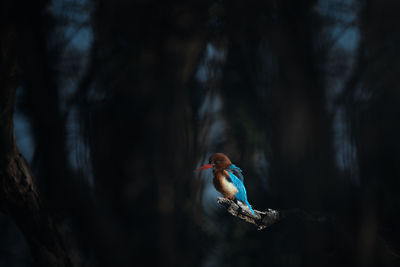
(118, 102)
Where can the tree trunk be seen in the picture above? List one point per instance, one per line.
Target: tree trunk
(19, 197)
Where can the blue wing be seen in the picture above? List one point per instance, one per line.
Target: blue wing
(236, 171)
(242, 194)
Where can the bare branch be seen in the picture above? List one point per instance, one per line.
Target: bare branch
(262, 219)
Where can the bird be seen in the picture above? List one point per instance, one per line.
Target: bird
(228, 178)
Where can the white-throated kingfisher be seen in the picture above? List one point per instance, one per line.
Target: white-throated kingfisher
(228, 178)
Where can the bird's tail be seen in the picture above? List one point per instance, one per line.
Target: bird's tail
(248, 205)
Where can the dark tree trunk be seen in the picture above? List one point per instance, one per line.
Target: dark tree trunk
(19, 197)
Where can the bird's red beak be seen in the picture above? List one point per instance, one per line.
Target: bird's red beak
(205, 167)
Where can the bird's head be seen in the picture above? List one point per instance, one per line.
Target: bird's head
(218, 161)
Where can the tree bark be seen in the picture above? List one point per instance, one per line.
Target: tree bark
(262, 219)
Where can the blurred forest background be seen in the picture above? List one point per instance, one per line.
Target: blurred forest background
(118, 102)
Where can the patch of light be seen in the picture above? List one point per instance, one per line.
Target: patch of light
(78, 153)
(209, 67)
(211, 105)
(23, 135)
(349, 39)
(209, 201)
(72, 19)
(345, 150)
